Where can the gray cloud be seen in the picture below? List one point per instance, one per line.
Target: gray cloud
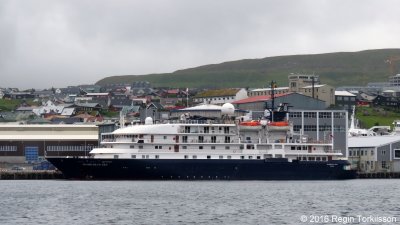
(49, 43)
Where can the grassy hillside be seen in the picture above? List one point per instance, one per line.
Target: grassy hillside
(369, 117)
(336, 69)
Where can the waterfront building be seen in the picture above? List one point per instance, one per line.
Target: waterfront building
(31, 143)
(375, 153)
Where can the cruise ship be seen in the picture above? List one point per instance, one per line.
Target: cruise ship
(228, 148)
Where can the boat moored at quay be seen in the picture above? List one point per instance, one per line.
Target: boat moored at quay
(224, 149)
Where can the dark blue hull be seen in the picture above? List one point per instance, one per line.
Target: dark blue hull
(197, 169)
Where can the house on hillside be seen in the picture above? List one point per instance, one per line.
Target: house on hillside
(220, 96)
(392, 102)
(91, 88)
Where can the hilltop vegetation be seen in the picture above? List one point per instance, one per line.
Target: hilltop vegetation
(336, 69)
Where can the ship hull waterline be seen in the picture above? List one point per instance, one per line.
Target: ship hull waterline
(199, 169)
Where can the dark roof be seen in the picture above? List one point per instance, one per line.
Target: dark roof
(156, 105)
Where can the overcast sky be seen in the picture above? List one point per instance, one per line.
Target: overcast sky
(51, 43)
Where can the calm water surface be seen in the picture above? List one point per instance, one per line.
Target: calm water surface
(196, 202)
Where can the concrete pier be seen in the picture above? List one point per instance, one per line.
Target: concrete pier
(379, 175)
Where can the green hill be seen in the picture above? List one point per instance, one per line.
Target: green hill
(336, 69)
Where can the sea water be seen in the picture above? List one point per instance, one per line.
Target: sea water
(199, 202)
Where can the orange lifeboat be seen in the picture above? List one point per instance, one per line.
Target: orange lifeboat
(250, 123)
(279, 124)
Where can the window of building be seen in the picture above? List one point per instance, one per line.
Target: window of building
(397, 153)
(339, 115)
(310, 128)
(296, 128)
(383, 152)
(310, 114)
(324, 115)
(384, 165)
(295, 114)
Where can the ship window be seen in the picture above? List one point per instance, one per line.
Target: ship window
(304, 158)
(200, 147)
(184, 139)
(298, 147)
(209, 157)
(311, 158)
(115, 156)
(292, 148)
(213, 147)
(318, 159)
(157, 156)
(132, 146)
(229, 157)
(241, 157)
(156, 147)
(227, 147)
(133, 156)
(250, 157)
(140, 146)
(258, 157)
(221, 157)
(194, 156)
(323, 158)
(186, 156)
(184, 147)
(147, 156)
(143, 156)
(201, 139)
